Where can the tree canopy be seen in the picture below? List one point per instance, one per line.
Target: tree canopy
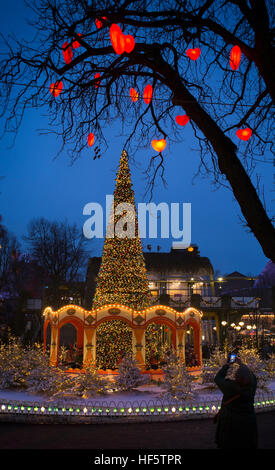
(59, 248)
(72, 47)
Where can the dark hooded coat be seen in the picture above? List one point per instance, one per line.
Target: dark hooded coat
(236, 425)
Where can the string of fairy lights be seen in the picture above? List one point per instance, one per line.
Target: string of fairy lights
(94, 411)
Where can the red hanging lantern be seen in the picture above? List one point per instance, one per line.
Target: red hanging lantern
(235, 57)
(117, 39)
(158, 145)
(99, 23)
(134, 95)
(75, 43)
(148, 93)
(67, 52)
(244, 134)
(193, 54)
(182, 120)
(91, 139)
(56, 88)
(129, 43)
(97, 83)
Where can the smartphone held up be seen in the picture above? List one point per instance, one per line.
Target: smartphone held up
(232, 358)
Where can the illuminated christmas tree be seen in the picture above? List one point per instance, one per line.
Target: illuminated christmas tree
(113, 341)
(122, 276)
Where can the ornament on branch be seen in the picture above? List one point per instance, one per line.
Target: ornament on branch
(182, 120)
(56, 88)
(99, 23)
(117, 39)
(120, 42)
(67, 52)
(193, 54)
(75, 43)
(133, 95)
(158, 145)
(148, 93)
(235, 57)
(91, 139)
(244, 134)
(129, 43)
(97, 83)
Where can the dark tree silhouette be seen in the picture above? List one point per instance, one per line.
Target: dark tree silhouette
(58, 248)
(8, 248)
(217, 99)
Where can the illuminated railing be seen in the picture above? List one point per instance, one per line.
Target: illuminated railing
(150, 409)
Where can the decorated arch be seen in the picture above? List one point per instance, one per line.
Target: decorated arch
(87, 322)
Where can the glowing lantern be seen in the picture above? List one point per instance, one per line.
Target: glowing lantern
(67, 52)
(148, 93)
(235, 57)
(91, 139)
(129, 43)
(75, 43)
(56, 88)
(158, 145)
(117, 39)
(193, 54)
(182, 120)
(99, 23)
(133, 95)
(97, 75)
(244, 134)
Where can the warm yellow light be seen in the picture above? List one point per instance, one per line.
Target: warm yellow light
(190, 248)
(241, 323)
(224, 323)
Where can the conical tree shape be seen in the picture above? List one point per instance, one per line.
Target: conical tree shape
(122, 276)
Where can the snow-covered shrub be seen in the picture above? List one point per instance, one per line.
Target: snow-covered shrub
(216, 361)
(129, 374)
(90, 383)
(177, 379)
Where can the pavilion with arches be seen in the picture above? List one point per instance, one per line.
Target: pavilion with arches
(86, 323)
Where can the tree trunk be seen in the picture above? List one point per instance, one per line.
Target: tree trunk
(230, 165)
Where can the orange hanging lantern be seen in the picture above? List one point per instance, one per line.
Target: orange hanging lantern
(158, 145)
(182, 120)
(193, 54)
(67, 52)
(91, 139)
(99, 23)
(75, 43)
(129, 43)
(244, 134)
(56, 88)
(235, 57)
(97, 83)
(134, 95)
(148, 93)
(117, 39)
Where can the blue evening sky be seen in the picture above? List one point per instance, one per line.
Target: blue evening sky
(35, 184)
